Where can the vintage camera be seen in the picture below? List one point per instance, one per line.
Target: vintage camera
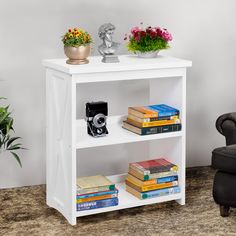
(96, 115)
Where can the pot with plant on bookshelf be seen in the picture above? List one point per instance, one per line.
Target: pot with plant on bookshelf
(77, 46)
(7, 141)
(147, 42)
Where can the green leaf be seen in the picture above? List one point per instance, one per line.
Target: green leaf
(11, 140)
(14, 147)
(17, 158)
(5, 115)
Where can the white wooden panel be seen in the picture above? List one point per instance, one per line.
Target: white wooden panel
(61, 173)
(127, 63)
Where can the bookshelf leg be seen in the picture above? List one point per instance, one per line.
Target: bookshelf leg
(72, 220)
(181, 201)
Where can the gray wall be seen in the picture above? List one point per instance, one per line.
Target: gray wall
(203, 32)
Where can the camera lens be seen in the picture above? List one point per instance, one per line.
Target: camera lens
(99, 120)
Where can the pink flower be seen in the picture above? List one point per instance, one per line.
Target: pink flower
(134, 30)
(166, 35)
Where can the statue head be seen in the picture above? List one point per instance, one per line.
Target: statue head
(106, 31)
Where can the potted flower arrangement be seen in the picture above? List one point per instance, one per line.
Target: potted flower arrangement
(77, 46)
(149, 41)
(7, 142)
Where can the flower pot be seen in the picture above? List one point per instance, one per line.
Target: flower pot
(77, 55)
(147, 54)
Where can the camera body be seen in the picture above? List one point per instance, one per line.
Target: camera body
(96, 116)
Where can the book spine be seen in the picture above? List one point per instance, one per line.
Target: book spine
(141, 120)
(151, 176)
(140, 182)
(164, 110)
(81, 196)
(96, 198)
(152, 181)
(153, 123)
(139, 169)
(97, 189)
(161, 129)
(97, 204)
(160, 192)
(158, 186)
(168, 113)
(151, 187)
(167, 179)
(139, 114)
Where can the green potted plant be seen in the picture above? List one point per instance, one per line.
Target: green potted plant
(7, 141)
(77, 46)
(147, 42)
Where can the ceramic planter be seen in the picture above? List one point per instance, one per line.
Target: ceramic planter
(152, 54)
(77, 55)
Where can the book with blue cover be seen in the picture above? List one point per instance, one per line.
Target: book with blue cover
(164, 110)
(153, 111)
(97, 204)
(95, 194)
(153, 193)
(161, 180)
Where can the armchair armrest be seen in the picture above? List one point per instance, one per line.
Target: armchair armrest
(226, 125)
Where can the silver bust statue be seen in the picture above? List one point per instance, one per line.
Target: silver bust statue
(108, 48)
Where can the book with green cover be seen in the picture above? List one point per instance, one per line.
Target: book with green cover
(91, 184)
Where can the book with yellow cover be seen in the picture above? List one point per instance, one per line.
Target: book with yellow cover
(141, 120)
(150, 187)
(95, 198)
(158, 110)
(142, 112)
(145, 177)
(152, 123)
(91, 184)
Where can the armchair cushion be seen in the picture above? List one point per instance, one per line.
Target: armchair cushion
(224, 159)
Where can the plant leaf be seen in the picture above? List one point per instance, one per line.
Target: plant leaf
(17, 158)
(11, 140)
(14, 147)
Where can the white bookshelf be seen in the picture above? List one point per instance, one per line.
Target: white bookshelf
(67, 139)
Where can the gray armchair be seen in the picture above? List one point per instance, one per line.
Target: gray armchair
(224, 160)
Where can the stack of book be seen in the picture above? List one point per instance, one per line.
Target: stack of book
(152, 178)
(95, 192)
(152, 119)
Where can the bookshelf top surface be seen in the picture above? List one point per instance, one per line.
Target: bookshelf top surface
(127, 63)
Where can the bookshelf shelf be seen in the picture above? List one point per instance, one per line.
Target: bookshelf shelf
(67, 141)
(117, 135)
(127, 200)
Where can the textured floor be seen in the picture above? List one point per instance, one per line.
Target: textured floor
(23, 212)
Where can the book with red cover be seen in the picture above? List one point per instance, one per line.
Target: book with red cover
(153, 166)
